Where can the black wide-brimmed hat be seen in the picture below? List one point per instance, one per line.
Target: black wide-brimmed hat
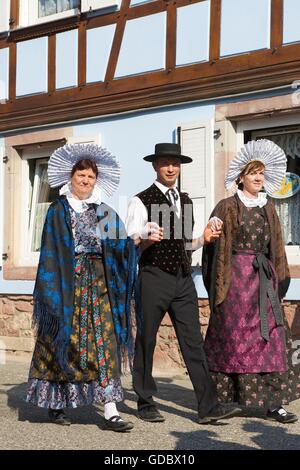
(168, 150)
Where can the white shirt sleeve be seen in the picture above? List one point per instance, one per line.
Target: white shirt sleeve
(137, 217)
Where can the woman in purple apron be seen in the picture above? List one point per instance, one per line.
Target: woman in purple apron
(248, 345)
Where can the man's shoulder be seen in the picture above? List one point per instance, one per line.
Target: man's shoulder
(145, 192)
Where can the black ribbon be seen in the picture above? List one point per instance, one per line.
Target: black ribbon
(266, 289)
(172, 196)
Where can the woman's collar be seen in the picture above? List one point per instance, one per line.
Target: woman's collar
(259, 201)
(80, 205)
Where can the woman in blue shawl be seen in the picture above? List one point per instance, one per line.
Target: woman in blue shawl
(82, 292)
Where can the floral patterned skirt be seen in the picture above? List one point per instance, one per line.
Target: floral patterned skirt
(94, 375)
(261, 390)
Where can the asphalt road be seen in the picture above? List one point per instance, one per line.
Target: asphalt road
(26, 427)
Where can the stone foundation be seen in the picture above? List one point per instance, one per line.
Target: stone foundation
(16, 334)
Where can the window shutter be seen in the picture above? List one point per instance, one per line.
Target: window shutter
(4, 15)
(90, 5)
(2, 151)
(196, 178)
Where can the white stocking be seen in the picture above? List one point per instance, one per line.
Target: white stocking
(110, 410)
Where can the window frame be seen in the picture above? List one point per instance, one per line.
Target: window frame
(102, 4)
(22, 256)
(34, 202)
(256, 124)
(29, 14)
(28, 257)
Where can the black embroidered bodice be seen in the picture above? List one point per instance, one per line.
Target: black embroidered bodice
(172, 253)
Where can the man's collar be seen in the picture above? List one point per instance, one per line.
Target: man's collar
(164, 188)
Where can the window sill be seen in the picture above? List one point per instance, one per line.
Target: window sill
(295, 271)
(54, 17)
(19, 273)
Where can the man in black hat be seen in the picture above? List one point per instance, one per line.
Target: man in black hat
(160, 219)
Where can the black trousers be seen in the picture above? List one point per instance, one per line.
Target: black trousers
(161, 292)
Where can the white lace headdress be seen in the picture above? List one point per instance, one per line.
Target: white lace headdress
(265, 151)
(64, 158)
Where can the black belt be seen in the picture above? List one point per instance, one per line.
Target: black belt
(266, 290)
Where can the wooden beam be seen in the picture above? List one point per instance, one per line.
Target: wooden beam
(171, 38)
(14, 14)
(215, 30)
(12, 72)
(276, 24)
(51, 110)
(117, 41)
(51, 62)
(82, 54)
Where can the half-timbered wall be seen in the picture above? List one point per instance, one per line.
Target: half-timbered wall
(141, 54)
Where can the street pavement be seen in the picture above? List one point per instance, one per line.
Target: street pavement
(23, 426)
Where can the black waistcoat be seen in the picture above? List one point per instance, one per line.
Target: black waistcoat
(171, 253)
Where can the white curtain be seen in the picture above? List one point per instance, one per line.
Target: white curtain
(289, 215)
(50, 7)
(40, 214)
(41, 208)
(289, 209)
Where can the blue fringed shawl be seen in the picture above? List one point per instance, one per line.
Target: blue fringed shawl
(54, 288)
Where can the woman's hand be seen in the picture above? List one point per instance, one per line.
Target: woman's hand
(213, 230)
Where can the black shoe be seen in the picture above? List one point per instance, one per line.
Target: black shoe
(58, 417)
(219, 412)
(150, 414)
(116, 423)
(281, 415)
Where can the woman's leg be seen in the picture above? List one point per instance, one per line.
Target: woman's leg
(113, 420)
(58, 417)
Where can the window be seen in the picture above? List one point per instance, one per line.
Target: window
(287, 201)
(40, 11)
(36, 196)
(28, 196)
(40, 198)
(52, 7)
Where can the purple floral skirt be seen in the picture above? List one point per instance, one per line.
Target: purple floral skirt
(233, 343)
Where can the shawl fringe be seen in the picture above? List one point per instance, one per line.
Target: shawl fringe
(48, 324)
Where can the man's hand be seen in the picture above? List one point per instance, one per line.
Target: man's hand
(151, 233)
(213, 230)
(155, 233)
